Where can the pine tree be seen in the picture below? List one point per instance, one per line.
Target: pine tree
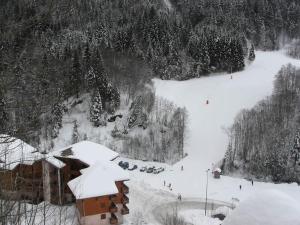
(251, 56)
(96, 109)
(75, 134)
(90, 79)
(3, 113)
(100, 80)
(87, 57)
(75, 76)
(296, 148)
(56, 121)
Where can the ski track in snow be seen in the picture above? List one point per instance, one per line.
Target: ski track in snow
(206, 138)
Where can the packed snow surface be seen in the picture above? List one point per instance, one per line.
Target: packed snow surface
(207, 140)
(267, 207)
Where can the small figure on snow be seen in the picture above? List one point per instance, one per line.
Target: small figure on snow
(179, 197)
(252, 182)
(164, 183)
(240, 187)
(181, 168)
(231, 77)
(207, 102)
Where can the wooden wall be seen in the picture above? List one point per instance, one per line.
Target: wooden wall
(23, 182)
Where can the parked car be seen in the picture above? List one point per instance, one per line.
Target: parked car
(150, 170)
(158, 170)
(120, 163)
(143, 169)
(125, 165)
(133, 168)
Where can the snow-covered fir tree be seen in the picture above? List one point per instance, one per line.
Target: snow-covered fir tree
(96, 109)
(251, 56)
(56, 119)
(75, 134)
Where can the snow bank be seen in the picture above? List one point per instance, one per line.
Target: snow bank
(270, 207)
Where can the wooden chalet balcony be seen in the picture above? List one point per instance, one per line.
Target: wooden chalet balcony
(113, 208)
(113, 219)
(125, 189)
(125, 199)
(124, 210)
(113, 198)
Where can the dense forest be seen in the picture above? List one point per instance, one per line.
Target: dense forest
(265, 140)
(53, 50)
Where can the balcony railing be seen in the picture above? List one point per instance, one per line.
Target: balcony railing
(125, 189)
(124, 210)
(113, 219)
(113, 198)
(113, 208)
(125, 199)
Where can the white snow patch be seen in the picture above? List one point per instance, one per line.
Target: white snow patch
(268, 207)
(197, 217)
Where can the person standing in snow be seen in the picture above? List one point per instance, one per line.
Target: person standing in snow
(240, 187)
(252, 182)
(181, 168)
(179, 197)
(207, 102)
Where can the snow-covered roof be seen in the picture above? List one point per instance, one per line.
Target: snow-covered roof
(217, 170)
(55, 162)
(98, 180)
(87, 152)
(271, 207)
(14, 151)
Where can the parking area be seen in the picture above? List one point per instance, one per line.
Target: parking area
(143, 169)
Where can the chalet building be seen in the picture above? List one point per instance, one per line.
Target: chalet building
(100, 194)
(20, 170)
(82, 173)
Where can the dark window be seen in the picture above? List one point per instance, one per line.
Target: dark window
(103, 216)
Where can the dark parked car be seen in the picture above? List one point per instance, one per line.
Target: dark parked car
(133, 168)
(143, 169)
(124, 165)
(150, 170)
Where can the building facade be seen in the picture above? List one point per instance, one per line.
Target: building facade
(66, 176)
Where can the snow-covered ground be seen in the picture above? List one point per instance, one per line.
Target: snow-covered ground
(206, 139)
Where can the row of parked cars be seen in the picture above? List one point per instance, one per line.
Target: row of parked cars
(125, 166)
(152, 169)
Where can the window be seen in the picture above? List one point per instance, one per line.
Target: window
(103, 216)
